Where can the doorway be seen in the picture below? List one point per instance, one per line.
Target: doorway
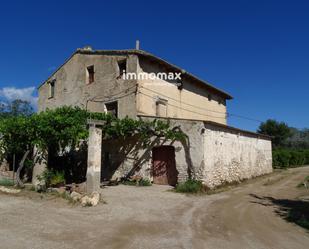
(164, 165)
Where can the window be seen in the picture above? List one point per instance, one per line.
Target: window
(161, 107)
(209, 97)
(90, 74)
(122, 65)
(112, 108)
(52, 88)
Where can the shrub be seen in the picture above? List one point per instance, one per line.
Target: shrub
(6, 182)
(144, 182)
(52, 178)
(190, 186)
(285, 158)
(57, 178)
(281, 159)
(306, 156)
(297, 158)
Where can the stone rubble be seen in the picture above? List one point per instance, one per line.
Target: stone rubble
(91, 200)
(9, 191)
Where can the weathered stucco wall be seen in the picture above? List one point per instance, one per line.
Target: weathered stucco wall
(231, 156)
(192, 102)
(128, 157)
(134, 97)
(211, 153)
(71, 87)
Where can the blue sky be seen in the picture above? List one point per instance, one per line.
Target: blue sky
(258, 51)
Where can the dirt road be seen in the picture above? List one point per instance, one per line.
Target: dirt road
(248, 216)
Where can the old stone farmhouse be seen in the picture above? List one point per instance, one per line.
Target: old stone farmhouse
(214, 152)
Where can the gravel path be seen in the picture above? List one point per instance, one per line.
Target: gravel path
(153, 217)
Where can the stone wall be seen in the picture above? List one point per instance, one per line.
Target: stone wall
(213, 153)
(135, 97)
(122, 158)
(72, 88)
(232, 155)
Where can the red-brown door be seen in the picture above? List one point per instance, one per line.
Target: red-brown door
(164, 165)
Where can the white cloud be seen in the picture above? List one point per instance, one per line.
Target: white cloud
(12, 93)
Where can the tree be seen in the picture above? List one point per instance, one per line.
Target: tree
(299, 139)
(20, 107)
(17, 136)
(55, 131)
(279, 131)
(15, 108)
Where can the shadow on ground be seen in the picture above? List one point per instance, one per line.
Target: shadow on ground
(295, 211)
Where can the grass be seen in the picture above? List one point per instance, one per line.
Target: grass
(190, 186)
(197, 187)
(139, 183)
(144, 182)
(194, 186)
(65, 195)
(6, 182)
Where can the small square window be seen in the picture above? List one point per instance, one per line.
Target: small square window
(90, 74)
(209, 97)
(122, 65)
(112, 108)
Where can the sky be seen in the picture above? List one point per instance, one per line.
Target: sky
(258, 51)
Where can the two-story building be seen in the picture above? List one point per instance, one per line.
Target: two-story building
(137, 84)
(96, 80)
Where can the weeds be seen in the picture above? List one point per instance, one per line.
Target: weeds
(137, 182)
(144, 182)
(65, 195)
(190, 186)
(6, 182)
(52, 178)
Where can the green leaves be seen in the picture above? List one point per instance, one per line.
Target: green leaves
(17, 134)
(66, 126)
(280, 131)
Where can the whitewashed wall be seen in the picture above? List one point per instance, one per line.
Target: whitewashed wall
(213, 153)
(231, 156)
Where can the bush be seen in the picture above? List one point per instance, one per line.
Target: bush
(297, 158)
(285, 158)
(57, 178)
(190, 186)
(6, 182)
(144, 182)
(52, 178)
(306, 156)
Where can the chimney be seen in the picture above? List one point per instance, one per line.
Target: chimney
(137, 45)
